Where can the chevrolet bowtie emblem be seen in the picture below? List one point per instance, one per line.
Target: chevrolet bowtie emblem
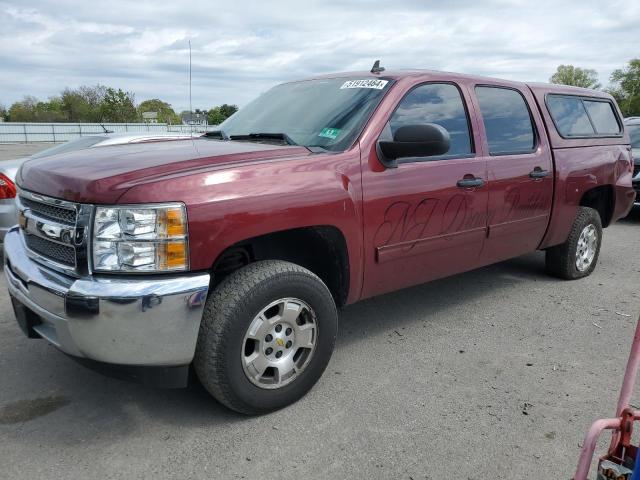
(279, 342)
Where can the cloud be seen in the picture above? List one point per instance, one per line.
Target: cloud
(243, 48)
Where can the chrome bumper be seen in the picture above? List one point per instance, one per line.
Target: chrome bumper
(134, 320)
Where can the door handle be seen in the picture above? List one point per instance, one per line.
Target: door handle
(538, 173)
(470, 182)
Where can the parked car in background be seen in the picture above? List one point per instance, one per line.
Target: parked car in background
(9, 168)
(632, 124)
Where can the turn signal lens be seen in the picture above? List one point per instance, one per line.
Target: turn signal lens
(175, 255)
(175, 226)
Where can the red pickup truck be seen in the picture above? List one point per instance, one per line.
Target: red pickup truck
(234, 251)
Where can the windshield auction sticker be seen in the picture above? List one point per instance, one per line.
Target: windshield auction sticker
(331, 133)
(370, 83)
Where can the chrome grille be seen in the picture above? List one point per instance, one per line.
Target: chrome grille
(55, 231)
(57, 252)
(51, 212)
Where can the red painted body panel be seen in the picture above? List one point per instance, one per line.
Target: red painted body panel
(402, 226)
(519, 206)
(579, 170)
(104, 174)
(418, 225)
(230, 203)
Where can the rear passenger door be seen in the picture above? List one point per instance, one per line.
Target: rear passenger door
(520, 171)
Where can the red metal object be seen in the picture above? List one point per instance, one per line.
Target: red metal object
(622, 426)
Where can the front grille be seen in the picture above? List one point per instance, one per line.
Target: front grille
(51, 212)
(63, 254)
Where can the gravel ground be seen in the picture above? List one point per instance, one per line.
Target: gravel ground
(495, 373)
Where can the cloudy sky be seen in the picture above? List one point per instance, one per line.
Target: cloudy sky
(241, 48)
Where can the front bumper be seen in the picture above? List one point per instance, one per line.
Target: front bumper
(134, 321)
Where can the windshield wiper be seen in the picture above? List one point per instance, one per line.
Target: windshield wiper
(217, 134)
(264, 136)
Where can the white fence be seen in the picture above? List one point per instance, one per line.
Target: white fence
(13, 132)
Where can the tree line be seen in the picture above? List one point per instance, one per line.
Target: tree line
(624, 86)
(101, 104)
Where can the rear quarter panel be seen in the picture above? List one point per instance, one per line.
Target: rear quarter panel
(578, 170)
(581, 164)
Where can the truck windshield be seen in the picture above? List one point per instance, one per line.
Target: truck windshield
(634, 133)
(327, 113)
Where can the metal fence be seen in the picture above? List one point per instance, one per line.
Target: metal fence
(13, 132)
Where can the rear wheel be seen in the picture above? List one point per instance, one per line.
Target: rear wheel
(266, 336)
(578, 256)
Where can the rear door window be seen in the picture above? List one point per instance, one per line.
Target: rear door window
(576, 116)
(507, 120)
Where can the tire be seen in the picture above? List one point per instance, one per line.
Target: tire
(222, 350)
(562, 260)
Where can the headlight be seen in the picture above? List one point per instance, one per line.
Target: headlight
(140, 239)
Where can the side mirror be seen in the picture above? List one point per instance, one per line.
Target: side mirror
(424, 140)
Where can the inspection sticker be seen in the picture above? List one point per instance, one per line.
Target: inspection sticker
(370, 83)
(331, 133)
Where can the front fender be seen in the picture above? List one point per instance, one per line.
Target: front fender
(229, 205)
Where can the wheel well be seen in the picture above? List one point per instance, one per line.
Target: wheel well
(600, 199)
(321, 249)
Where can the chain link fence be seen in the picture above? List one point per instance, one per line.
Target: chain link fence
(14, 132)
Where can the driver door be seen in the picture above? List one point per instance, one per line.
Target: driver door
(426, 218)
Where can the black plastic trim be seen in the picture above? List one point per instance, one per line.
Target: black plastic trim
(151, 376)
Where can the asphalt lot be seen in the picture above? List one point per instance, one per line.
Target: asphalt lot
(495, 373)
(9, 151)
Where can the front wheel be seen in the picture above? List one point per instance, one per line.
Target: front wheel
(266, 336)
(577, 257)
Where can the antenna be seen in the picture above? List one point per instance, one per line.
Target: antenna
(376, 67)
(190, 106)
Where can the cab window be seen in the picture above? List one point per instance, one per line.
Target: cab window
(439, 103)
(507, 121)
(583, 117)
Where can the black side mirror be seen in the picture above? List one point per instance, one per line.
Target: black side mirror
(424, 140)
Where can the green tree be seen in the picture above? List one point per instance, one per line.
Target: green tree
(83, 104)
(575, 76)
(626, 88)
(24, 110)
(219, 114)
(118, 106)
(30, 109)
(166, 114)
(4, 113)
(74, 106)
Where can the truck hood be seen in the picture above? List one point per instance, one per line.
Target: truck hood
(101, 175)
